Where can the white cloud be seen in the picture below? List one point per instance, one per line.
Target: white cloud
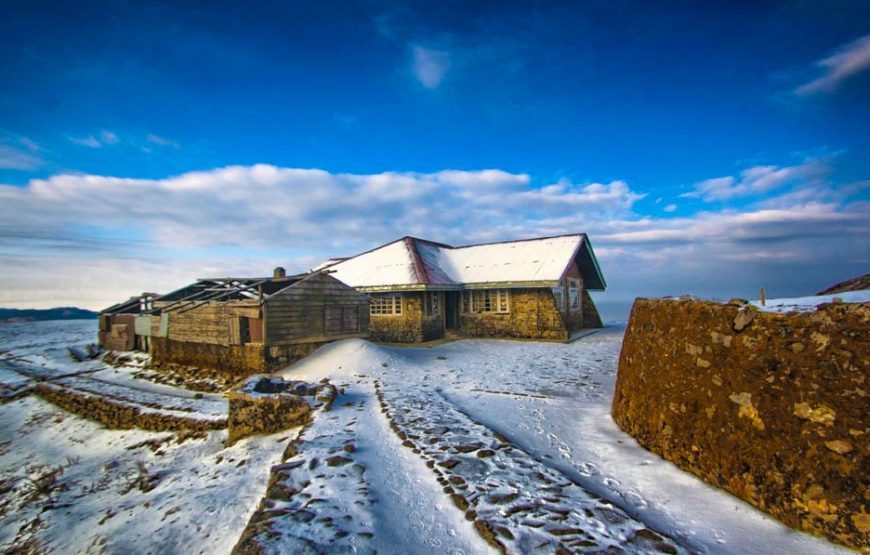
(757, 180)
(108, 138)
(19, 153)
(670, 208)
(430, 66)
(138, 234)
(849, 60)
(161, 141)
(103, 138)
(12, 158)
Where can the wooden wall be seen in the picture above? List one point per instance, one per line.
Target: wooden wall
(299, 313)
(211, 322)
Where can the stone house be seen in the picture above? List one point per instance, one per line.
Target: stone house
(422, 290)
(241, 326)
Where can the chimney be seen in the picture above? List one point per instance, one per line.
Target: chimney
(279, 272)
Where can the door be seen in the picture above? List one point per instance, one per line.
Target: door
(451, 310)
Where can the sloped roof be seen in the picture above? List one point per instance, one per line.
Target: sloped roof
(412, 263)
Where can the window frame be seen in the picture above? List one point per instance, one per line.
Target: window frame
(575, 287)
(486, 301)
(390, 304)
(431, 303)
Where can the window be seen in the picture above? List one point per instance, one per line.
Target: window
(574, 294)
(486, 301)
(386, 304)
(431, 304)
(558, 293)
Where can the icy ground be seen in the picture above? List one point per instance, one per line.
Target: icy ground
(430, 443)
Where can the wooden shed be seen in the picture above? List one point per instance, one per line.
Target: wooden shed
(242, 326)
(127, 325)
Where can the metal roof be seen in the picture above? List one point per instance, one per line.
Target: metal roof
(411, 263)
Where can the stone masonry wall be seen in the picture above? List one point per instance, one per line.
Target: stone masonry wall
(591, 318)
(279, 356)
(406, 327)
(227, 361)
(769, 407)
(116, 415)
(264, 414)
(533, 314)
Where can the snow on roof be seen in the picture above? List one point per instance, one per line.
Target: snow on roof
(391, 264)
(411, 261)
(531, 260)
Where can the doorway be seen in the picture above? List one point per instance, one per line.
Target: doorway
(451, 310)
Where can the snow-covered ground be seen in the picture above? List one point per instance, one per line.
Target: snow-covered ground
(68, 485)
(517, 434)
(807, 304)
(552, 403)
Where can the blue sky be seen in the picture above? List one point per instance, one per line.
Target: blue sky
(707, 148)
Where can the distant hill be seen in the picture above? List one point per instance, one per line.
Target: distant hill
(855, 284)
(36, 314)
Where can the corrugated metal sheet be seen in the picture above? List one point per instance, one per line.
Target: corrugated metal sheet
(533, 260)
(402, 262)
(391, 264)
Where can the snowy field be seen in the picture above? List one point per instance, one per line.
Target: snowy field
(520, 431)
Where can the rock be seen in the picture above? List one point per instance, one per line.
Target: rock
(744, 318)
(720, 339)
(839, 446)
(484, 453)
(747, 409)
(502, 498)
(337, 460)
(820, 415)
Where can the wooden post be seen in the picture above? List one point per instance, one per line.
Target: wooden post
(763, 299)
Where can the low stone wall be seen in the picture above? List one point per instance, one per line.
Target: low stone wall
(769, 407)
(533, 315)
(266, 405)
(279, 356)
(207, 360)
(116, 415)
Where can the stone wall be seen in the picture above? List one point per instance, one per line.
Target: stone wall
(533, 315)
(406, 327)
(116, 415)
(769, 407)
(207, 360)
(252, 411)
(591, 318)
(279, 356)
